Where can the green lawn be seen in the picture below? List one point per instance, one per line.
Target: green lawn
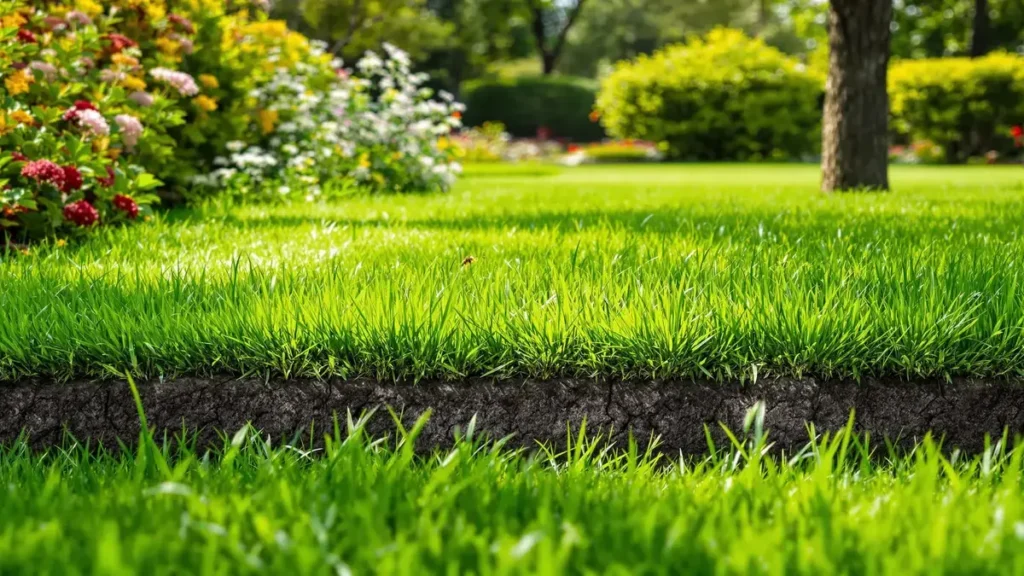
(638, 271)
(362, 507)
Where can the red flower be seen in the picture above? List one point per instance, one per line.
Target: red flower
(109, 180)
(127, 205)
(573, 148)
(18, 157)
(72, 180)
(81, 213)
(1017, 131)
(80, 105)
(44, 171)
(182, 22)
(26, 36)
(119, 42)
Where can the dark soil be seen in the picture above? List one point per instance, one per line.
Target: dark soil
(677, 411)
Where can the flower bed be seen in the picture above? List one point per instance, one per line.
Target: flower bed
(103, 105)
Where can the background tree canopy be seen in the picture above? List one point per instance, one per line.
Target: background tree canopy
(459, 40)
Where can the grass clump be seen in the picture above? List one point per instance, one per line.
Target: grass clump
(637, 272)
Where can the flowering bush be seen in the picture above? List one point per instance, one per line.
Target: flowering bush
(102, 103)
(967, 106)
(376, 127)
(71, 137)
(614, 151)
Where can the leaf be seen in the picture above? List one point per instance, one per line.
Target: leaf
(147, 181)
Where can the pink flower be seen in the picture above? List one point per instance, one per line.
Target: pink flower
(79, 106)
(119, 42)
(180, 81)
(111, 76)
(80, 18)
(81, 213)
(131, 129)
(93, 122)
(127, 205)
(44, 171)
(49, 70)
(182, 22)
(72, 180)
(141, 98)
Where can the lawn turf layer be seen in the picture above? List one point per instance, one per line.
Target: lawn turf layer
(363, 506)
(718, 272)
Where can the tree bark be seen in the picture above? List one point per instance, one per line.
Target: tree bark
(855, 127)
(980, 29)
(549, 54)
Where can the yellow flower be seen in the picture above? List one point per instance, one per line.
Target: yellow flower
(209, 81)
(268, 120)
(19, 82)
(364, 160)
(14, 20)
(122, 59)
(443, 143)
(133, 83)
(4, 127)
(60, 243)
(22, 117)
(168, 46)
(204, 102)
(156, 11)
(93, 9)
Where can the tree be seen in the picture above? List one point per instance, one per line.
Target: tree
(979, 30)
(351, 27)
(551, 21)
(855, 134)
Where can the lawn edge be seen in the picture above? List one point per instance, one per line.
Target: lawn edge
(961, 412)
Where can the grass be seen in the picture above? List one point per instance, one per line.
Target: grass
(362, 505)
(643, 271)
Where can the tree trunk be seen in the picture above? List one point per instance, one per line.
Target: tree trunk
(855, 127)
(548, 63)
(980, 29)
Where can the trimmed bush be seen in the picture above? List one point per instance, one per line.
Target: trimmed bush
(529, 106)
(722, 97)
(966, 106)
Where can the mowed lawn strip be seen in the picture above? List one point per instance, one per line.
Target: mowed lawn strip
(621, 271)
(373, 506)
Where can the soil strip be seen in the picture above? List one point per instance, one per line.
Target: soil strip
(961, 412)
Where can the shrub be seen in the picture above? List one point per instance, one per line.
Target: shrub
(73, 140)
(723, 97)
(555, 107)
(376, 127)
(966, 106)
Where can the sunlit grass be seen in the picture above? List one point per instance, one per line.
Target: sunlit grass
(362, 505)
(640, 271)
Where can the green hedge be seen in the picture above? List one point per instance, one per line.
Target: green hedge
(966, 106)
(723, 97)
(562, 104)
